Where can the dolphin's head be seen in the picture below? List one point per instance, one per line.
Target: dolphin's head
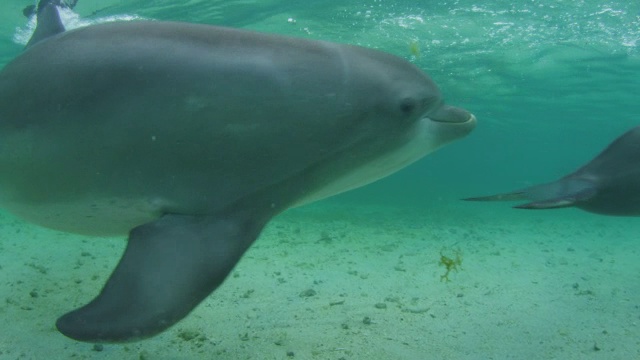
(409, 118)
(408, 106)
(411, 104)
(406, 119)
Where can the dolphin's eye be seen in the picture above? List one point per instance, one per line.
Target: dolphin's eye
(408, 105)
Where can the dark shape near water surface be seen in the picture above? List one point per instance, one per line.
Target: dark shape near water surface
(609, 184)
(32, 10)
(190, 138)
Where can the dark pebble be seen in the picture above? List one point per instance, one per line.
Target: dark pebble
(308, 293)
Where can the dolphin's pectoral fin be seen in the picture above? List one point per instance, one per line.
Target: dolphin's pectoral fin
(558, 194)
(566, 199)
(169, 266)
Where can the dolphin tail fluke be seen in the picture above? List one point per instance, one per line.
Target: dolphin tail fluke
(169, 266)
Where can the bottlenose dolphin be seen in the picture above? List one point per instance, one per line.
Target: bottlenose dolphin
(609, 184)
(190, 138)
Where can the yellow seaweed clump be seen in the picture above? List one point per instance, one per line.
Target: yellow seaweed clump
(449, 263)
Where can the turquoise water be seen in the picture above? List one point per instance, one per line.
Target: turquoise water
(551, 83)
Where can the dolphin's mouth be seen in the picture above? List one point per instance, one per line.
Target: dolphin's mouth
(470, 121)
(451, 114)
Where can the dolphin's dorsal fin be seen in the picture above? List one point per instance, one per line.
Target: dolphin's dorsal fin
(49, 24)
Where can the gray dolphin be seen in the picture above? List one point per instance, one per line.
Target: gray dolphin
(609, 184)
(190, 138)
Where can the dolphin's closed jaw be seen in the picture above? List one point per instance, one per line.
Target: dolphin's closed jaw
(451, 122)
(188, 139)
(451, 114)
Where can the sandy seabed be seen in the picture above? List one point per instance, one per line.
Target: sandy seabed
(335, 281)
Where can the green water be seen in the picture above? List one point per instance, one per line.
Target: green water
(551, 82)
